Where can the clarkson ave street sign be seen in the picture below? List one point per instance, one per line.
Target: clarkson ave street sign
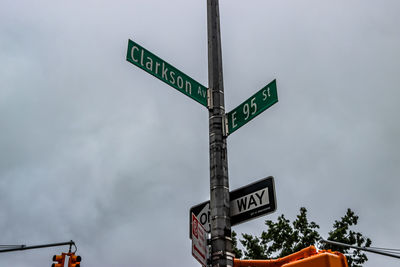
(246, 203)
(253, 106)
(157, 67)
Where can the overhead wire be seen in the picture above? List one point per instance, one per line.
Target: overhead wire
(388, 249)
(367, 249)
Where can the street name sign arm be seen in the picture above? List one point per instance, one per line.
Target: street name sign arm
(252, 107)
(144, 59)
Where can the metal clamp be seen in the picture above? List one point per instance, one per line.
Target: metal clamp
(223, 254)
(219, 186)
(210, 102)
(216, 116)
(225, 129)
(217, 216)
(209, 99)
(224, 237)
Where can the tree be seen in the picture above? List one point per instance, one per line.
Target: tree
(236, 251)
(283, 238)
(341, 233)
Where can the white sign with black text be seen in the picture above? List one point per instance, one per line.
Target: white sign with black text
(249, 202)
(246, 203)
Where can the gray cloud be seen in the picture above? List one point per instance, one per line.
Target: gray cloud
(95, 150)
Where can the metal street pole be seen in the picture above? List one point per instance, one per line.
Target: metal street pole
(221, 242)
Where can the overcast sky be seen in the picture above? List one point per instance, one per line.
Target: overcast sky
(96, 150)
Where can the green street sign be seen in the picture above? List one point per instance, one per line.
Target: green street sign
(253, 106)
(157, 67)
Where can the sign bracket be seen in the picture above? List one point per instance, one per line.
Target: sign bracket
(209, 99)
(225, 128)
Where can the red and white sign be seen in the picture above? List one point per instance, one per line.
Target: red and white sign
(199, 241)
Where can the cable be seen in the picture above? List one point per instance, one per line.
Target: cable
(388, 249)
(394, 255)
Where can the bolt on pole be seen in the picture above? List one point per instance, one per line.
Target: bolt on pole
(221, 242)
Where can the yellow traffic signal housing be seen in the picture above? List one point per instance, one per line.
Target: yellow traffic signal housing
(322, 259)
(59, 259)
(308, 257)
(74, 261)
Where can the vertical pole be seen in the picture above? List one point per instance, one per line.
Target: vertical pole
(221, 242)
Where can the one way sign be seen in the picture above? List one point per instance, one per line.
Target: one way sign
(246, 203)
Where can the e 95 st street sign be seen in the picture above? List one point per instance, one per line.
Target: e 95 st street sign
(253, 106)
(167, 73)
